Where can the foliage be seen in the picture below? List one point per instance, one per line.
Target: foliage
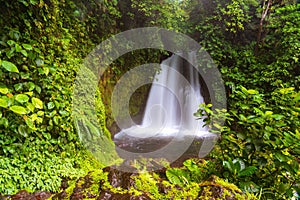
(263, 134)
(43, 43)
(193, 171)
(42, 46)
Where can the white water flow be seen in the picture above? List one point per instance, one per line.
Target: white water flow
(173, 99)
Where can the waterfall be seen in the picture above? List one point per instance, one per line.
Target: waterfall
(173, 99)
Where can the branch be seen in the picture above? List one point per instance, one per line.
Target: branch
(263, 16)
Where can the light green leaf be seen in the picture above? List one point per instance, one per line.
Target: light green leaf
(27, 46)
(3, 89)
(30, 86)
(24, 52)
(46, 71)
(22, 98)
(29, 123)
(18, 109)
(3, 103)
(18, 48)
(252, 92)
(277, 116)
(10, 42)
(268, 112)
(37, 103)
(30, 106)
(50, 105)
(9, 66)
(175, 175)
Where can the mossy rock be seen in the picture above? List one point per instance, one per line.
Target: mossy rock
(217, 189)
(111, 184)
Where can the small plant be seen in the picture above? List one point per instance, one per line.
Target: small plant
(237, 170)
(193, 171)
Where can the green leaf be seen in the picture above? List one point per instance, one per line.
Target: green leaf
(22, 98)
(280, 157)
(37, 103)
(3, 103)
(18, 86)
(192, 166)
(24, 52)
(9, 66)
(34, 2)
(3, 89)
(46, 71)
(22, 130)
(29, 123)
(248, 171)
(30, 86)
(277, 116)
(27, 46)
(30, 106)
(18, 48)
(252, 92)
(268, 112)
(50, 105)
(4, 122)
(18, 109)
(176, 175)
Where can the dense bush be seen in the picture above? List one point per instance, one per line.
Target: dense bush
(259, 146)
(262, 134)
(42, 46)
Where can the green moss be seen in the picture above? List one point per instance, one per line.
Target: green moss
(218, 188)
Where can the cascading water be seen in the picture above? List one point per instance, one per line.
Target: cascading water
(169, 113)
(174, 97)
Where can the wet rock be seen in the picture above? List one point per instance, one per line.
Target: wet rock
(24, 195)
(107, 195)
(118, 178)
(216, 188)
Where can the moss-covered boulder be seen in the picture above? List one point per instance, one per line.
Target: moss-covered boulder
(111, 184)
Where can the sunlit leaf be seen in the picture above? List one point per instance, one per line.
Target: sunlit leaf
(22, 98)
(9, 66)
(18, 109)
(37, 103)
(3, 103)
(3, 89)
